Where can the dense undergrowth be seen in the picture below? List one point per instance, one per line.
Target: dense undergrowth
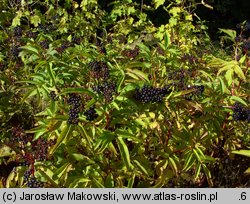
(95, 100)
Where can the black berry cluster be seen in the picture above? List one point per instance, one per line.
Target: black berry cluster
(77, 40)
(151, 94)
(132, 53)
(31, 34)
(99, 69)
(47, 28)
(107, 89)
(198, 91)
(28, 150)
(75, 102)
(30, 180)
(241, 113)
(17, 31)
(14, 51)
(191, 59)
(44, 44)
(40, 148)
(90, 114)
(245, 26)
(53, 95)
(101, 47)
(246, 46)
(19, 137)
(63, 47)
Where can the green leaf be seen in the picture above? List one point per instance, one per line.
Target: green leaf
(198, 157)
(139, 74)
(35, 20)
(30, 49)
(124, 152)
(103, 142)
(109, 182)
(97, 183)
(166, 40)
(222, 85)
(230, 34)
(238, 99)
(173, 165)
(197, 171)
(77, 181)
(247, 171)
(141, 167)
(51, 74)
(189, 161)
(158, 3)
(239, 72)
(242, 152)
(78, 90)
(17, 20)
(126, 135)
(229, 77)
(5, 151)
(208, 174)
(67, 129)
(48, 178)
(62, 171)
(131, 181)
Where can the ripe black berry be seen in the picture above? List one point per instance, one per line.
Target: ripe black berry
(75, 102)
(34, 183)
(44, 44)
(53, 95)
(17, 31)
(107, 89)
(14, 51)
(99, 69)
(31, 34)
(76, 40)
(241, 113)
(150, 94)
(91, 114)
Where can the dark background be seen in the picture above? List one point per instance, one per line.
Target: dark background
(226, 13)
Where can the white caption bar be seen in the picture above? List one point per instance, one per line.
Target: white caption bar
(122, 196)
